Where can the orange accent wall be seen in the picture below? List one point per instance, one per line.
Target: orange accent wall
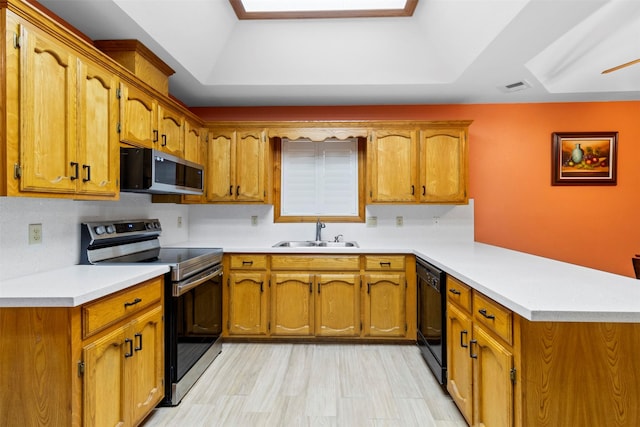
(516, 206)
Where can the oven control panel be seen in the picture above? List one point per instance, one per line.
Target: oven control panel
(102, 230)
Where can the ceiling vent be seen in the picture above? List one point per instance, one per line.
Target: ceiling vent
(515, 87)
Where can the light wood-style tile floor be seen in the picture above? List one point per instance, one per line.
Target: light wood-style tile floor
(314, 385)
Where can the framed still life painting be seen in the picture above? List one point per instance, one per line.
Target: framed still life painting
(584, 158)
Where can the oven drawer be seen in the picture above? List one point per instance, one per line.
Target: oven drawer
(384, 262)
(494, 316)
(459, 293)
(107, 311)
(248, 262)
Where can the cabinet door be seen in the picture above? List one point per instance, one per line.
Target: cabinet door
(384, 309)
(171, 129)
(138, 117)
(48, 92)
(392, 166)
(492, 385)
(459, 364)
(220, 185)
(250, 166)
(98, 145)
(195, 150)
(104, 380)
(145, 374)
(443, 170)
(338, 305)
(248, 303)
(292, 304)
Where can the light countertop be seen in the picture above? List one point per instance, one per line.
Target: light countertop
(536, 288)
(73, 286)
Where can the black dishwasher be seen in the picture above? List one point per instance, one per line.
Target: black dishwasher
(432, 318)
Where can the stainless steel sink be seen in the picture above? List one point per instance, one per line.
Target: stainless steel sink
(314, 244)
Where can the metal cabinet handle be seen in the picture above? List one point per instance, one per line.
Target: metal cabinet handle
(138, 337)
(155, 135)
(238, 190)
(75, 174)
(319, 285)
(463, 333)
(261, 287)
(368, 288)
(424, 190)
(471, 354)
(88, 169)
(484, 313)
(310, 287)
(130, 342)
(454, 291)
(413, 190)
(247, 262)
(385, 264)
(164, 140)
(134, 302)
(231, 190)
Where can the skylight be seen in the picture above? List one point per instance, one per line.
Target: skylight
(296, 9)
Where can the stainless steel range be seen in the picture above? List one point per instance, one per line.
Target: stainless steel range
(193, 293)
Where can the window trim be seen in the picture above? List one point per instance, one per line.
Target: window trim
(277, 188)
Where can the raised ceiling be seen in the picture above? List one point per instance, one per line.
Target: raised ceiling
(449, 51)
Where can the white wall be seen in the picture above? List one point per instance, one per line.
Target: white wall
(61, 219)
(227, 226)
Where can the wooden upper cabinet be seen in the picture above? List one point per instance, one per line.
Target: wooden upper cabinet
(170, 130)
(47, 102)
(392, 168)
(443, 168)
(138, 117)
(68, 115)
(237, 166)
(218, 175)
(195, 143)
(98, 144)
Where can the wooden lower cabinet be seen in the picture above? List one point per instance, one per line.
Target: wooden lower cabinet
(307, 296)
(504, 370)
(55, 370)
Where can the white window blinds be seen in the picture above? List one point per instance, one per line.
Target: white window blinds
(319, 178)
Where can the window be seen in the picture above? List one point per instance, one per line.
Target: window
(319, 179)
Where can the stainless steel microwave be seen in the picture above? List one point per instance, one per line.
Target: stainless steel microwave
(145, 170)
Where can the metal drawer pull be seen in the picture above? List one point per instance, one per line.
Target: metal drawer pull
(462, 334)
(134, 302)
(138, 336)
(484, 313)
(130, 342)
(247, 262)
(382, 264)
(471, 343)
(454, 291)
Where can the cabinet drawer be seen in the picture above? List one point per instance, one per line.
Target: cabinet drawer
(459, 293)
(301, 262)
(253, 262)
(105, 312)
(494, 316)
(384, 262)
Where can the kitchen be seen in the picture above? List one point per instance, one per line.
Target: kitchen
(513, 205)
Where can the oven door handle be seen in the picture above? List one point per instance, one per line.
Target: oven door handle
(183, 287)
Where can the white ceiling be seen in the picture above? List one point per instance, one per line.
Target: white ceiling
(450, 51)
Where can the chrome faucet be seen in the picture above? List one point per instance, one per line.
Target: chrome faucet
(319, 227)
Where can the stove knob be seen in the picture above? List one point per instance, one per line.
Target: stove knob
(111, 229)
(149, 226)
(100, 230)
(156, 225)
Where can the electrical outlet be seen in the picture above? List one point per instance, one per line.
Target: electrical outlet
(399, 221)
(254, 220)
(179, 222)
(372, 221)
(436, 220)
(35, 234)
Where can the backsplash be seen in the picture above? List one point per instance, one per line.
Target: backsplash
(225, 226)
(61, 219)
